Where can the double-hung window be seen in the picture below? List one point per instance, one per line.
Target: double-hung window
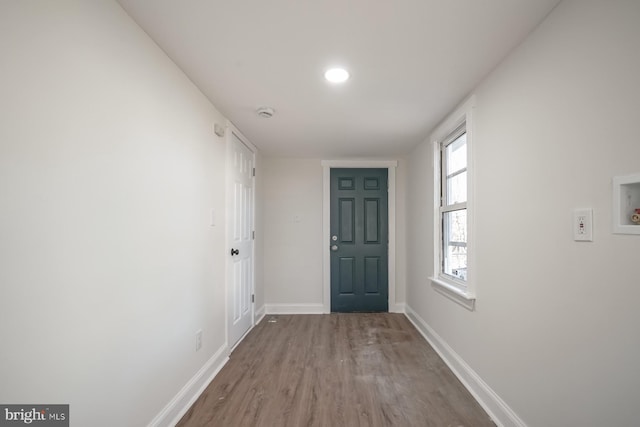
(452, 248)
(453, 206)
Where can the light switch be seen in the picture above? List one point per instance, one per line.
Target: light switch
(583, 225)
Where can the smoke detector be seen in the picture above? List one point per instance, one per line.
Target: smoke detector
(265, 112)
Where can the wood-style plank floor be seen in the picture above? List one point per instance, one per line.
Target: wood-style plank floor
(335, 370)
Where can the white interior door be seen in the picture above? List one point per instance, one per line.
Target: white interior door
(240, 238)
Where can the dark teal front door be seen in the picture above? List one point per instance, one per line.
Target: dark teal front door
(359, 240)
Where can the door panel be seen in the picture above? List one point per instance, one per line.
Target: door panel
(347, 275)
(371, 221)
(359, 255)
(347, 220)
(240, 227)
(372, 274)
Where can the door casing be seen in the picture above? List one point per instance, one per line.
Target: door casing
(327, 165)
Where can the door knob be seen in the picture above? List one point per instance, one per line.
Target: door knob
(235, 252)
(334, 248)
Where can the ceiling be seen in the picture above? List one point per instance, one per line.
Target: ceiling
(411, 62)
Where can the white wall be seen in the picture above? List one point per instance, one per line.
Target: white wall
(292, 232)
(108, 171)
(293, 188)
(401, 231)
(259, 248)
(555, 330)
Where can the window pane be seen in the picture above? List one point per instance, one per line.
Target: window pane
(457, 154)
(454, 233)
(457, 189)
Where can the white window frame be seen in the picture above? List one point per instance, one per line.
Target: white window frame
(463, 293)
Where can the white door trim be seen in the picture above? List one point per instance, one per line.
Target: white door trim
(230, 131)
(391, 166)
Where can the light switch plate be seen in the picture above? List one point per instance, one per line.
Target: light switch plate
(583, 225)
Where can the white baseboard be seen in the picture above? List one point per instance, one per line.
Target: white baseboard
(180, 404)
(498, 410)
(259, 315)
(397, 308)
(308, 309)
(294, 308)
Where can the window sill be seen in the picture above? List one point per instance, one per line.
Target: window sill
(454, 293)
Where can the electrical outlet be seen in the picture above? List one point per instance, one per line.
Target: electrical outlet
(198, 339)
(583, 225)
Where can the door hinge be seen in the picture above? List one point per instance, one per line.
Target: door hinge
(253, 298)
(253, 235)
(254, 172)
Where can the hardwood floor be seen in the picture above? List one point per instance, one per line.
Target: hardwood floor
(335, 370)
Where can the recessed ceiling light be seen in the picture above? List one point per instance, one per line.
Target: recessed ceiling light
(336, 75)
